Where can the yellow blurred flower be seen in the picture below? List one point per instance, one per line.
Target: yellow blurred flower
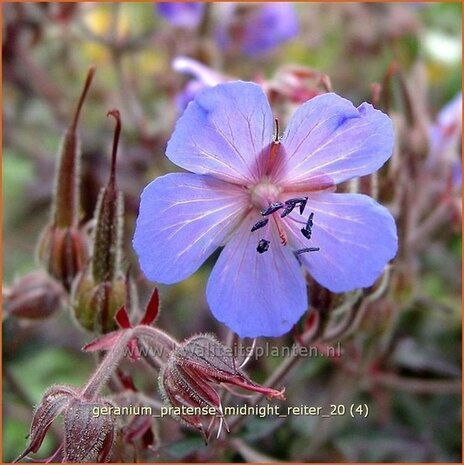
(99, 20)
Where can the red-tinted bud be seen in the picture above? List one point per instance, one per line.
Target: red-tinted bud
(35, 295)
(214, 361)
(193, 372)
(63, 252)
(296, 84)
(181, 388)
(89, 431)
(139, 430)
(54, 401)
(88, 425)
(65, 210)
(63, 247)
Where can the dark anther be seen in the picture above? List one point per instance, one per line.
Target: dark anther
(290, 204)
(302, 203)
(309, 223)
(260, 224)
(273, 207)
(287, 211)
(306, 231)
(263, 246)
(307, 249)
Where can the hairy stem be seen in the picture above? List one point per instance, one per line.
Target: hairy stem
(107, 366)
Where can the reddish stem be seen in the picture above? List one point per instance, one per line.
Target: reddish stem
(117, 132)
(85, 90)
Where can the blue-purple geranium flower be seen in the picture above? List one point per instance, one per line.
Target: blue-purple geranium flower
(181, 14)
(257, 28)
(242, 175)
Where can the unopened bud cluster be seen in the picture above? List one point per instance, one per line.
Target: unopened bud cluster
(83, 269)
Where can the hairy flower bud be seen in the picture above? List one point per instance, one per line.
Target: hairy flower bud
(53, 403)
(63, 247)
(88, 437)
(194, 371)
(101, 290)
(95, 304)
(63, 252)
(35, 295)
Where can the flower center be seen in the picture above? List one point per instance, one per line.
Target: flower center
(264, 193)
(264, 197)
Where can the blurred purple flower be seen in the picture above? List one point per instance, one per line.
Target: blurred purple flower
(291, 83)
(203, 77)
(182, 14)
(258, 28)
(241, 177)
(445, 137)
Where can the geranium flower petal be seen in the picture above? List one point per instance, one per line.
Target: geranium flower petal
(225, 132)
(183, 218)
(356, 237)
(328, 136)
(256, 294)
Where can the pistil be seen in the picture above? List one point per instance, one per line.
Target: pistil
(275, 148)
(281, 230)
